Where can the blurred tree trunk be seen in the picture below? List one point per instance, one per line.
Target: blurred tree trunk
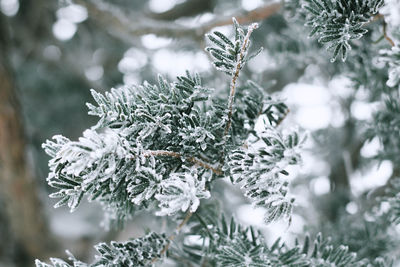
(18, 189)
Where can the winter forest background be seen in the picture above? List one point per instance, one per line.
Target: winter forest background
(345, 99)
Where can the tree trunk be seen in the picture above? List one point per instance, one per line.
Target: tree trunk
(18, 190)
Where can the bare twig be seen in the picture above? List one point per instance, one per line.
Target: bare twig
(374, 18)
(385, 33)
(384, 26)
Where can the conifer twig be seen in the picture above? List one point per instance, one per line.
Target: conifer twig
(235, 76)
(232, 92)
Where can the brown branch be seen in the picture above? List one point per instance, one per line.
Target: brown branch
(172, 237)
(384, 26)
(374, 18)
(254, 15)
(123, 27)
(186, 9)
(386, 35)
(193, 160)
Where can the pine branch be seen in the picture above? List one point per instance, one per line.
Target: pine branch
(121, 161)
(135, 252)
(337, 23)
(229, 57)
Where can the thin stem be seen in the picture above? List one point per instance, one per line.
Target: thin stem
(283, 118)
(200, 163)
(384, 24)
(235, 76)
(172, 237)
(173, 154)
(386, 35)
(155, 153)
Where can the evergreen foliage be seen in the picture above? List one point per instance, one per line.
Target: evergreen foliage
(137, 252)
(230, 56)
(166, 149)
(259, 171)
(232, 245)
(386, 127)
(338, 22)
(133, 157)
(392, 58)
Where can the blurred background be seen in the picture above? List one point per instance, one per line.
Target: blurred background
(53, 52)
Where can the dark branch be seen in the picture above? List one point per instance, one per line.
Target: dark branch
(186, 9)
(123, 27)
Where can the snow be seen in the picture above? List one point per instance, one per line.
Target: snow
(377, 176)
(160, 6)
(94, 73)
(181, 191)
(262, 62)
(391, 11)
(175, 63)
(67, 19)
(250, 215)
(312, 103)
(320, 185)
(9, 7)
(151, 41)
(352, 207)
(362, 110)
(251, 4)
(133, 60)
(64, 29)
(73, 13)
(371, 148)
